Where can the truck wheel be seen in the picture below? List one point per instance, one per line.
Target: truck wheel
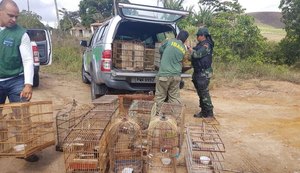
(97, 90)
(36, 80)
(83, 77)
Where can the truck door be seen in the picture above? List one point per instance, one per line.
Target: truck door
(43, 41)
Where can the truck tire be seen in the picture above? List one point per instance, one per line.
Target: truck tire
(97, 90)
(36, 80)
(83, 77)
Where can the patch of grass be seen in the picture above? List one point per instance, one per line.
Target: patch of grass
(271, 33)
(66, 56)
(247, 70)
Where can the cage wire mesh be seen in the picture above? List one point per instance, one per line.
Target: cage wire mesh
(140, 112)
(163, 145)
(205, 149)
(125, 102)
(176, 112)
(95, 122)
(26, 128)
(66, 119)
(125, 147)
(82, 152)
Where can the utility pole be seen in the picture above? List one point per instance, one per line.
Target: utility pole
(28, 5)
(57, 16)
(115, 7)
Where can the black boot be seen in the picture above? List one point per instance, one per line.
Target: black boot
(204, 114)
(198, 115)
(208, 114)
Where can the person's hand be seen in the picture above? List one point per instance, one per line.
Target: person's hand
(189, 48)
(26, 92)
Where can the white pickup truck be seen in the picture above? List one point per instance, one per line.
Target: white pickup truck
(42, 51)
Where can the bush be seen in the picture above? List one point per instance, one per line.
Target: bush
(250, 70)
(66, 55)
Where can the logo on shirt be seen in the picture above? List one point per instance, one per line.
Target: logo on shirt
(9, 42)
(178, 46)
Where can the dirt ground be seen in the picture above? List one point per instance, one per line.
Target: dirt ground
(259, 123)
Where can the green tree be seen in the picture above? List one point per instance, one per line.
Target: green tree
(69, 19)
(235, 34)
(291, 43)
(91, 11)
(204, 16)
(226, 6)
(173, 4)
(29, 19)
(237, 37)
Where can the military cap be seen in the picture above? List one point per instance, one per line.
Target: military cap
(203, 31)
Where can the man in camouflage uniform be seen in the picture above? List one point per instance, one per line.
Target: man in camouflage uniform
(201, 57)
(169, 75)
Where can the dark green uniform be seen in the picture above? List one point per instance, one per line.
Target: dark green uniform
(11, 61)
(201, 62)
(168, 77)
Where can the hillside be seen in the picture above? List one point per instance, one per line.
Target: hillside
(268, 18)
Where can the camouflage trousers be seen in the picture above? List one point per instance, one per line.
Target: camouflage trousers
(201, 82)
(167, 90)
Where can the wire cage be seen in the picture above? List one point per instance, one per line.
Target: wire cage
(141, 111)
(175, 111)
(26, 128)
(66, 119)
(163, 145)
(125, 147)
(81, 150)
(125, 102)
(205, 149)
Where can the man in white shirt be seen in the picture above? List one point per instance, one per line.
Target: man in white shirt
(16, 60)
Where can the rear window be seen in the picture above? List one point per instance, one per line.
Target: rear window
(36, 35)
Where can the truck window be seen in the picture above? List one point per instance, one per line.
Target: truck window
(36, 35)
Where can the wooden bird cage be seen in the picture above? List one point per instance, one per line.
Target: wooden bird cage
(106, 103)
(163, 145)
(125, 147)
(141, 111)
(26, 128)
(82, 152)
(204, 153)
(128, 55)
(66, 119)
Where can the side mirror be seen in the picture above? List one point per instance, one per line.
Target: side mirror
(83, 43)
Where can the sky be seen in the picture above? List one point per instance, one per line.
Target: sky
(46, 8)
